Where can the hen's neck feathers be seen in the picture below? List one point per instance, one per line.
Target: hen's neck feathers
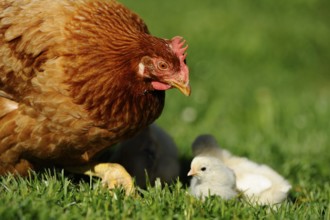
(107, 46)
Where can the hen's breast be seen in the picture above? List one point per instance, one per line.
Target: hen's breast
(127, 115)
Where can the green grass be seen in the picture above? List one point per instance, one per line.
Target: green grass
(260, 77)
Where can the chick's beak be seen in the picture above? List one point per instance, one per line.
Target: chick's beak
(191, 172)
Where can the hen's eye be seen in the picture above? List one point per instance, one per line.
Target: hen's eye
(162, 65)
(203, 168)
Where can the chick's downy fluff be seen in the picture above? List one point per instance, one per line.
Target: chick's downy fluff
(211, 177)
(259, 183)
(77, 76)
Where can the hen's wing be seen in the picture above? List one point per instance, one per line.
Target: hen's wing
(38, 117)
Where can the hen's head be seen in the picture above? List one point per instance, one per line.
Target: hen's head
(165, 66)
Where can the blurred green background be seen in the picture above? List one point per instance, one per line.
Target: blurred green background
(260, 77)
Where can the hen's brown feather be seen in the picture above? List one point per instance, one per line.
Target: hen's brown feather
(69, 69)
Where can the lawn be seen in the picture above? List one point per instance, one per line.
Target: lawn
(260, 77)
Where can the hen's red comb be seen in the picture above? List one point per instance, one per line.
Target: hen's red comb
(177, 44)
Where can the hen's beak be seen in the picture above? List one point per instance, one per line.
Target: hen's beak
(183, 87)
(191, 173)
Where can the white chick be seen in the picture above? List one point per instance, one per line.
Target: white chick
(152, 151)
(211, 177)
(259, 183)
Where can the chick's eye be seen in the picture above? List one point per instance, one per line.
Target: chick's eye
(162, 65)
(203, 168)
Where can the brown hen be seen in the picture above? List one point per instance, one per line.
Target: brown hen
(77, 76)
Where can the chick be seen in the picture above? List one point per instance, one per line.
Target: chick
(152, 153)
(211, 177)
(259, 183)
